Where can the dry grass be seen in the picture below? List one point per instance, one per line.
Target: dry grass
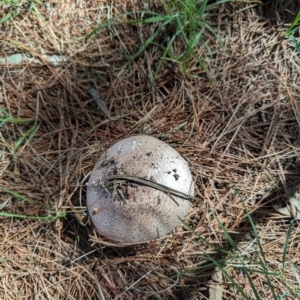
(239, 131)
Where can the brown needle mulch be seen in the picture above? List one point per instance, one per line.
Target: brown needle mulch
(237, 125)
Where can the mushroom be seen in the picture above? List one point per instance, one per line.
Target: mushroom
(139, 190)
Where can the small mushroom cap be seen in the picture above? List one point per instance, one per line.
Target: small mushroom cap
(129, 212)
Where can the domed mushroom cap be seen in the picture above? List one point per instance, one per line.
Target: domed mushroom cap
(135, 190)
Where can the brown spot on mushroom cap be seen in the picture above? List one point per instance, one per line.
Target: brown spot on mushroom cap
(138, 213)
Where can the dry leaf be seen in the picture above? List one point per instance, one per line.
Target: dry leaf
(293, 210)
(215, 286)
(99, 101)
(19, 58)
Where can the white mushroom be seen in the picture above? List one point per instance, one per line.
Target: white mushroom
(139, 190)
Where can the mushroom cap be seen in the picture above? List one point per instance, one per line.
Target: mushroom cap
(129, 212)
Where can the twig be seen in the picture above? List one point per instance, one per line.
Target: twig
(82, 256)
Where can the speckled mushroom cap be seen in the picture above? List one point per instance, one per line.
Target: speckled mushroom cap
(129, 212)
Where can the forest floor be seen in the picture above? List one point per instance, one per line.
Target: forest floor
(236, 124)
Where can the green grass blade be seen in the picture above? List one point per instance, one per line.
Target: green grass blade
(295, 29)
(225, 273)
(16, 195)
(246, 271)
(284, 295)
(182, 31)
(29, 133)
(233, 245)
(294, 23)
(4, 112)
(166, 52)
(44, 218)
(291, 226)
(296, 44)
(200, 62)
(262, 256)
(213, 246)
(185, 16)
(15, 120)
(113, 21)
(203, 8)
(196, 39)
(98, 28)
(217, 3)
(227, 235)
(257, 271)
(6, 18)
(156, 19)
(216, 263)
(150, 40)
